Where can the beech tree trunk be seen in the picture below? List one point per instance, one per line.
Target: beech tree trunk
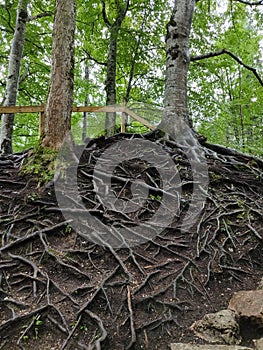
(110, 87)
(176, 121)
(177, 64)
(12, 82)
(60, 98)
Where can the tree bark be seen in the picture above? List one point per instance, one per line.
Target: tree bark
(87, 102)
(176, 121)
(60, 98)
(13, 76)
(110, 85)
(177, 64)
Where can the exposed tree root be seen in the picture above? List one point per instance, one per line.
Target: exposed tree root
(95, 296)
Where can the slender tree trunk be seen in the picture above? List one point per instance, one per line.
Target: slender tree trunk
(13, 76)
(60, 98)
(177, 64)
(87, 101)
(110, 87)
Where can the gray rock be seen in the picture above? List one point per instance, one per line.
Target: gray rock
(258, 344)
(181, 346)
(220, 328)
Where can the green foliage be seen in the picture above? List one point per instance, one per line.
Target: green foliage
(35, 68)
(136, 128)
(34, 326)
(25, 131)
(155, 197)
(224, 97)
(84, 328)
(37, 325)
(140, 49)
(68, 229)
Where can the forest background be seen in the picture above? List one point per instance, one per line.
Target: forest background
(224, 85)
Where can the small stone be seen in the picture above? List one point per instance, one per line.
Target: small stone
(218, 328)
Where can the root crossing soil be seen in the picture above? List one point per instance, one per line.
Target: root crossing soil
(61, 290)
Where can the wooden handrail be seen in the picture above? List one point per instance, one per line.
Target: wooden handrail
(21, 109)
(89, 109)
(41, 108)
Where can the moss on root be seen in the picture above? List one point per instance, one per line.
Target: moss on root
(40, 163)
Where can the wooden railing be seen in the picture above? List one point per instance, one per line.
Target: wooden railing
(89, 109)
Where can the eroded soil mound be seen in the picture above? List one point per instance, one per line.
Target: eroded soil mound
(60, 290)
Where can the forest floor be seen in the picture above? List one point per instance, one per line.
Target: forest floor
(63, 290)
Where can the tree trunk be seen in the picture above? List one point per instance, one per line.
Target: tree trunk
(110, 87)
(177, 64)
(87, 102)
(13, 76)
(60, 98)
(176, 122)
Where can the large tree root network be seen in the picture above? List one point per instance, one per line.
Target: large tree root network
(60, 290)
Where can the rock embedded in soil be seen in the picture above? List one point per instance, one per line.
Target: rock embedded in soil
(249, 305)
(220, 328)
(181, 346)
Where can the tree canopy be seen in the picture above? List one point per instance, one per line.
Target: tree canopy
(225, 73)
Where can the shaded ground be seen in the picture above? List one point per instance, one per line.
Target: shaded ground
(58, 290)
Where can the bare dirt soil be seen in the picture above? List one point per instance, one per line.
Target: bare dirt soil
(59, 290)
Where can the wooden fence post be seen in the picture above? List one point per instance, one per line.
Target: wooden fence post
(124, 117)
(41, 122)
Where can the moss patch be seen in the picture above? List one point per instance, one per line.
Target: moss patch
(40, 163)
